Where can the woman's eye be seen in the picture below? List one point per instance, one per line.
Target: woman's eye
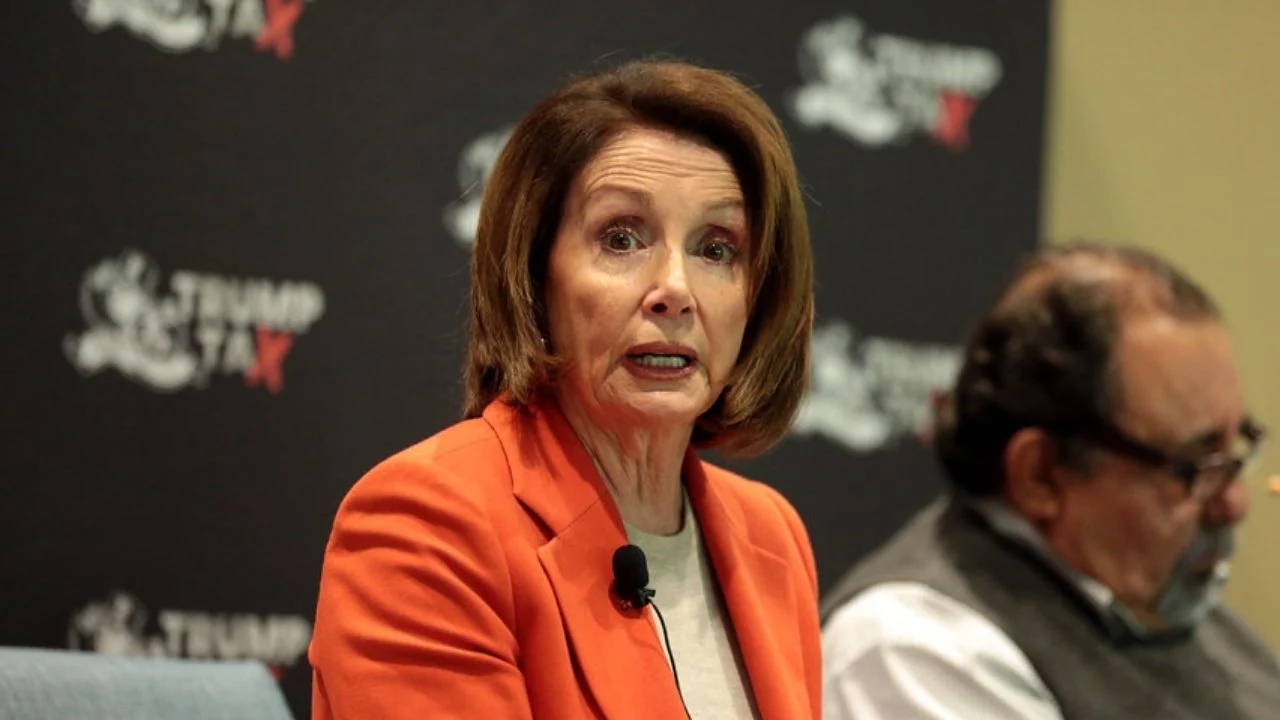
(621, 239)
(718, 252)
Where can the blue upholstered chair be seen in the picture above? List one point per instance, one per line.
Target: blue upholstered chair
(38, 684)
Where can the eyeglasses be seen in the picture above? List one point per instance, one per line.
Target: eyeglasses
(1205, 477)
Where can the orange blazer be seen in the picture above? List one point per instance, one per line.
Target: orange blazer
(468, 577)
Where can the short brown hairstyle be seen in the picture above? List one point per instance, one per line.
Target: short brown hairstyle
(521, 213)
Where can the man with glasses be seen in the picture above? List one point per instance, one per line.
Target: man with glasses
(1094, 442)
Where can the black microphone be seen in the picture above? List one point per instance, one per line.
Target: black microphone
(631, 576)
(630, 582)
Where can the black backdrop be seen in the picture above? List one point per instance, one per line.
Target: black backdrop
(235, 247)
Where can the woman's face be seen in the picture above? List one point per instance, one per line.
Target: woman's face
(647, 282)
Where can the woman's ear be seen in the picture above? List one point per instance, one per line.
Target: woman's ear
(1031, 471)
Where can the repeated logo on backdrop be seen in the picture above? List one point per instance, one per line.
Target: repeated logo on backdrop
(868, 393)
(179, 26)
(121, 625)
(881, 89)
(206, 324)
(475, 164)
(181, 338)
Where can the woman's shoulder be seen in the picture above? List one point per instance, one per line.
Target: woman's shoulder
(461, 443)
(461, 463)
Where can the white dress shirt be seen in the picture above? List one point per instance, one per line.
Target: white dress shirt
(904, 651)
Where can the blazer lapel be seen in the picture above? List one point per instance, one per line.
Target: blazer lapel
(618, 651)
(619, 656)
(757, 589)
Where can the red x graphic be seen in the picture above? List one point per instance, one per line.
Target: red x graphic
(278, 33)
(268, 368)
(952, 128)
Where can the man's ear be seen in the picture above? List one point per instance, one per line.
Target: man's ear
(1030, 470)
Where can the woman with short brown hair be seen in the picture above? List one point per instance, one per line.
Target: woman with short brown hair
(641, 288)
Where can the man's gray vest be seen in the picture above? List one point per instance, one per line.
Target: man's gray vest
(1220, 672)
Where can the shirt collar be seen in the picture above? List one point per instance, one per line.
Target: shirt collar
(1005, 521)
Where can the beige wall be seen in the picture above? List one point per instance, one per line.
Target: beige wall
(1164, 131)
